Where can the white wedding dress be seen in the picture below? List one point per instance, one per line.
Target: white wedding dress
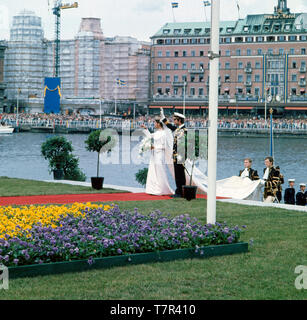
(161, 157)
(157, 180)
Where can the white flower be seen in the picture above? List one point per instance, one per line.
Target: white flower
(145, 145)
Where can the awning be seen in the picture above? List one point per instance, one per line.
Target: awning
(226, 89)
(302, 76)
(302, 90)
(188, 107)
(203, 107)
(158, 107)
(296, 108)
(240, 108)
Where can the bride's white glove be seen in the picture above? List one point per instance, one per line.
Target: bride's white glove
(162, 114)
(262, 182)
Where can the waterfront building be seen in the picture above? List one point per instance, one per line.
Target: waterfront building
(90, 65)
(262, 57)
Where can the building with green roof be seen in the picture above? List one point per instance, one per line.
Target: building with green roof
(262, 59)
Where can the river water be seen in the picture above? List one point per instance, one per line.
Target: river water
(20, 157)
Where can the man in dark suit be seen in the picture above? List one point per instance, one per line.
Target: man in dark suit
(248, 171)
(180, 132)
(301, 196)
(289, 196)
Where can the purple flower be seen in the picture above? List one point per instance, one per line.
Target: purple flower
(119, 251)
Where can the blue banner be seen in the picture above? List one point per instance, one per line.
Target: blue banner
(52, 95)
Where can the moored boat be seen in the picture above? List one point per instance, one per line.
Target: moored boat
(6, 129)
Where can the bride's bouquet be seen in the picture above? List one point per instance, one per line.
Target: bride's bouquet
(145, 145)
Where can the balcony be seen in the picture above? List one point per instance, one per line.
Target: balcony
(196, 71)
(302, 83)
(302, 69)
(248, 83)
(248, 70)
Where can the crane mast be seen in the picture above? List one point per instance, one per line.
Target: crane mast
(58, 6)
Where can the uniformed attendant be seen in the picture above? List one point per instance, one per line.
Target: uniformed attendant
(289, 196)
(301, 196)
(180, 132)
(248, 171)
(270, 180)
(281, 181)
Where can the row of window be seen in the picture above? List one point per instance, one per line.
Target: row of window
(228, 53)
(274, 79)
(239, 39)
(274, 64)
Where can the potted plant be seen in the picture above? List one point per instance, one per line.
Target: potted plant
(141, 176)
(195, 146)
(56, 150)
(100, 141)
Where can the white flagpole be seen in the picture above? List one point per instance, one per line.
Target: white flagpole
(213, 110)
(173, 14)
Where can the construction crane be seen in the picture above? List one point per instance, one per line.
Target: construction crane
(58, 6)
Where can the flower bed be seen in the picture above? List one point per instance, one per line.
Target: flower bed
(94, 231)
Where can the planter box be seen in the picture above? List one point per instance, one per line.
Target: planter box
(114, 261)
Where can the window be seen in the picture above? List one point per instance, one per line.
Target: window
(168, 41)
(184, 66)
(176, 78)
(167, 90)
(192, 91)
(184, 53)
(292, 51)
(227, 52)
(227, 78)
(238, 39)
(227, 65)
(193, 53)
(240, 78)
(176, 54)
(168, 54)
(228, 40)
(185, 41)
(257, 92)
(167, 79)
(168, 66)
(259, 39)
(248, 52)
(281, 38)
(176, 66)
(187, 31)
(177, 31)
(194, 41)
(159, 91)
(201, 53)
(200, 91)
(294, 77)
(257, 78)
(246, 28)
(159, 66)
(294, 65)
(159, 53)
(303, 51)
(240, 65)
(270, 51)
(257, 65)
(292, 38)
(192, 78)
(159, 78)
(193, 66)
(184, 78)
(238, 52)
(197, 31)
(256, 28)
(270, 39)
(259, 52)
(249, 39)
(166, 31)
(281, 50)
(303, 38)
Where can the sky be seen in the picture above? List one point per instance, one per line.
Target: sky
(137, 18)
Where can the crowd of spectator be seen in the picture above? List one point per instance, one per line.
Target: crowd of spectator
(231, 122)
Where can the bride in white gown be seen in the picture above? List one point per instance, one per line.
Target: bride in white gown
(157, 180)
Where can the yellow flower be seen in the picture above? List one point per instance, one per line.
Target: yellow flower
(14, 220)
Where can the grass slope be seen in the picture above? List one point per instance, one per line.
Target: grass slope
(22, 187)
(265, 272)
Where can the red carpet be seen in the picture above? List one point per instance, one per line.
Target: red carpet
(72, 198)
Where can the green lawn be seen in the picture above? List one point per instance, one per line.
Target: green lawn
(23, 187)
(265, 272)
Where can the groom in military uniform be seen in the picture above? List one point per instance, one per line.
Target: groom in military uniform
(180, 132)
